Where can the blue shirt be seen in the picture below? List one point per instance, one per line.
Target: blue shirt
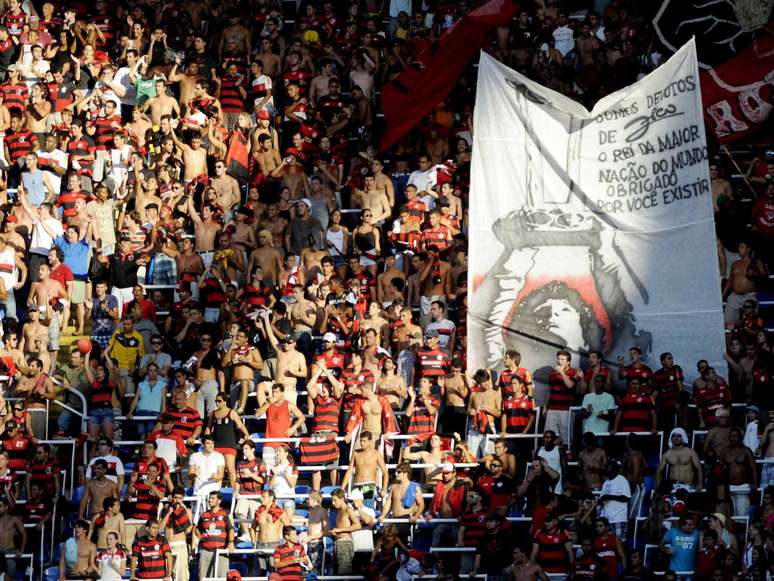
(685, 546)
(36, 189)
(76, 256)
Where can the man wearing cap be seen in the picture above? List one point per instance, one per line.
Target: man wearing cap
(449, 496)
(685, 470)
(303, 228)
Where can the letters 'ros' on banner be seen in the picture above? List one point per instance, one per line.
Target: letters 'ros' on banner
(592, 230)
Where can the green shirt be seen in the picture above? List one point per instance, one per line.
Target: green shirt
(146, 88)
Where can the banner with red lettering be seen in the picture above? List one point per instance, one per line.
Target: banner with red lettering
(735, 43)
(436, 70)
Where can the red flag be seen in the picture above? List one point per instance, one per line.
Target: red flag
(421, 86)
(738, 95)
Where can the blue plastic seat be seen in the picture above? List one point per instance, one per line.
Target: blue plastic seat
(51, 574)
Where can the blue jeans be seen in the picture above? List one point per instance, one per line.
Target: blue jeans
(145, 427)
(8, 306)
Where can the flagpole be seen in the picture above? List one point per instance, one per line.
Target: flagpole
(739, 169)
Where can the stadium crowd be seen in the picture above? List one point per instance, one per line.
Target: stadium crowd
(234, 332)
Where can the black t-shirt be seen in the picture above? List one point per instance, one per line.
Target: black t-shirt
(123, 270)
(496, 552)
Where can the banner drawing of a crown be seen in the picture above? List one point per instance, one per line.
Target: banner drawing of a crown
(753, 14)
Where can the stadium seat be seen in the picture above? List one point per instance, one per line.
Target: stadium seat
(51, 574)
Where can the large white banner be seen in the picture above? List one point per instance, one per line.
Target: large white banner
(592, 230)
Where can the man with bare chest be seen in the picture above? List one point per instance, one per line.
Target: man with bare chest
(593, 461)
(206, 228)
(266, 532)
(13, 537)
(685, 469)
(187, 261)
(347, 521)
(742, 285)
(738, 465)
(266, 257)
(85, 567)
(275, 224)
(363, 467)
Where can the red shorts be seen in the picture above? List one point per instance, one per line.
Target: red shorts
(227, 451)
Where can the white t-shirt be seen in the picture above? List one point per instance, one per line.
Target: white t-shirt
(122, 78)
(398, 6)
(603, 402)
(751, 436)
(115, 467)
(265, 81)
(554, 460)
(41, 241)
(56, 157)
(445, 329)
(614, 510)
(564, 40)
(8, 270)
(206, 467)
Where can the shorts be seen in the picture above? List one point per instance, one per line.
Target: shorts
(99, 416)
(227, 451)
(365, 261)
(79, 292)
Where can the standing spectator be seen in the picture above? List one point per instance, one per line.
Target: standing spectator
(151, 555)
(614, 499)
(552, 548)
(598, 407)
(562, 383)
(213, 532)
(681, 545)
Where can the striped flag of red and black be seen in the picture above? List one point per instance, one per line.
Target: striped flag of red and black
(320, 449)
(151, 557)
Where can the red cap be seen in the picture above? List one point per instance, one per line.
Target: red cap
(11, 218)
(263, 115)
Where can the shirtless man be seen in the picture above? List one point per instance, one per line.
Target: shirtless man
(235, 36)
(347, 521)
(502, 455)
(587, 44)
(176, 522)
(435, 456)
(524, 568)
(161, 104)
(742, 285)
(266, 155)
(406, 339)
(390, 385)
(275, 224)
(717, 439)
(370, 198)
(291, 364)
(206, 228)
(87, 552)
(384, 280)
(593, 462)
(96, 490)
(37, 388)
(484, 405)
(363, 467)
(33, 330)
(433, 288)
(394, 505)
(311, 261)
(738, 465)
(719, 185)
(187, 80)
(303, 312)
(375, 321)
(226, 187)
(110, 520)
(685, 469)
(266, 257)
(186, 259)
(46, 291)
(266, 532)
(194, 157)
(245, 361)
(383, 182)
(271, 61)
(13, 537)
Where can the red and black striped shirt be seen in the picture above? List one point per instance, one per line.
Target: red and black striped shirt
(351, 379)
(185, 420)
(475, 526)
(214, 526)
(147, 505)
(83, 146)
(244, 471)
(551, 554)
(326, 415)
(151, 557)
(15, 96)
(101, 395)
(230, 98)
(105, 128)
(636, 413)
(20, 144)
(666, 384)
(291, 572)
(422, 421)
(433, 362)
(518, 411)
(45, 474)
(561, 397)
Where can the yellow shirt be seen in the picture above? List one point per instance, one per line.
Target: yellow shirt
(127, 349)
